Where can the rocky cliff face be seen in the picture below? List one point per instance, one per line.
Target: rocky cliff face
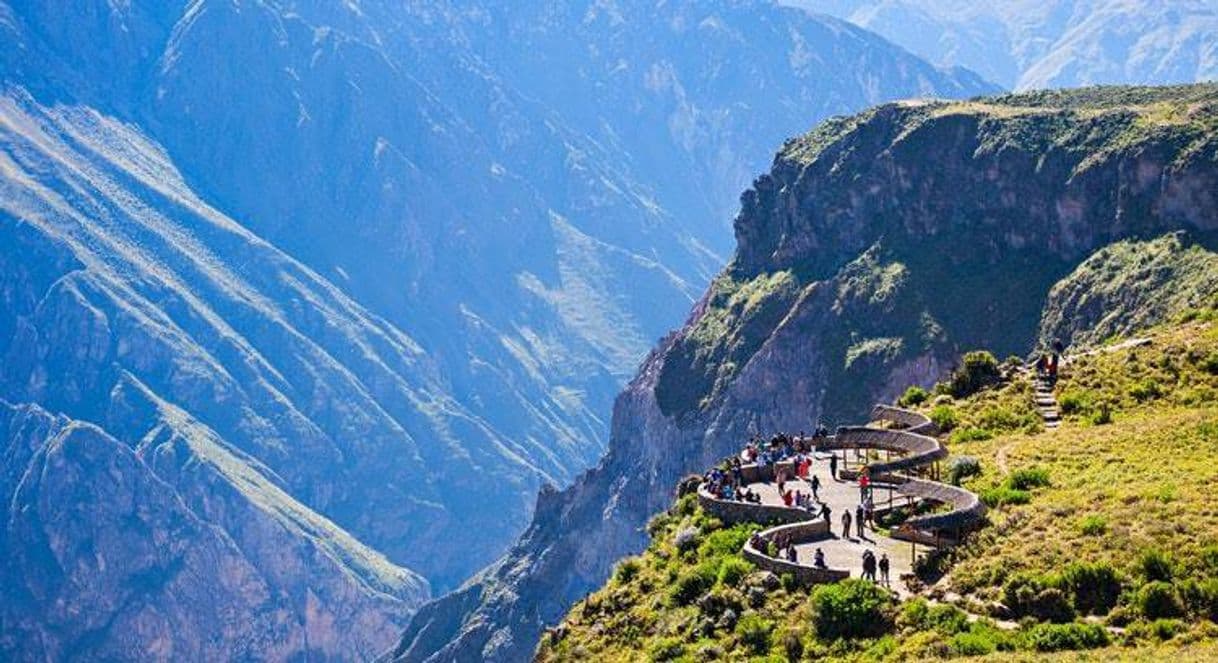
(174, 549)
(877, 248)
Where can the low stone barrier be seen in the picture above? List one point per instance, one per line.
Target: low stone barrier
(732, 512)
(804, 574)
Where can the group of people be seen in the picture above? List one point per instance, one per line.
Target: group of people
(728, 484)
(863, 514)
(869, 567)
(783, 546)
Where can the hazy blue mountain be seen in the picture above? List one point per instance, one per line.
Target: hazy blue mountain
(1025, 44)
(214, 382)
(374, 269)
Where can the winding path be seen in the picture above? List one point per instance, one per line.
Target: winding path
(909, 451)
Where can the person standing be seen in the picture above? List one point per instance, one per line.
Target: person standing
(858, 519)
(828, 514)
(884, 568)
(833, 465)
(815, 487)
(846, 524)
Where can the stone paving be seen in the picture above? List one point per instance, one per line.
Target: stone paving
(846, 552)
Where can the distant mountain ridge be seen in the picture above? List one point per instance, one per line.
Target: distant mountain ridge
(1032, 44)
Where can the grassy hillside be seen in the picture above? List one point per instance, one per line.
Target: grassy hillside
(1103, 540)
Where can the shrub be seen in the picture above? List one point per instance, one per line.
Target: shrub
(978, 370)
(1210, 363)
(1165, 629)
(1039, 596)
(793, 644)
(972, 644)
(853, 608)
(1156, 565)
(919, 615)
(686, 539)
(913, 397)
(1102, 416)
(1003, 495)
(944, 417)
(1201, 598)
(970, 434)
(1093, 525)
(1145, 390)
(1075, 401)
(1066, 637)
(1094, 587)
(963, 467)
(626, 571)
(692, 583)
(666, 649)
(726, 541)
(733, 570)
(1158, 600)
(1028, 478)
(754, 632)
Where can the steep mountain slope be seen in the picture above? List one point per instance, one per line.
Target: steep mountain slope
(1105, 521)
(508, 184)
(1028, 44)
(130, 303)
(877, 248)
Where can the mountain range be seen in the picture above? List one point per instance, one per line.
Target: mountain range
(304, 301)
(1030, 44)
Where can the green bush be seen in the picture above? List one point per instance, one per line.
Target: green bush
(913, 397)
(961, 468)
(1095, 587)
(733, 570)
(1004, 495)
(978, 370)
(853, 608)
(728, 541)
(918, 615)
(1201, 598)
(666, 649)
(1145, 390)
(972, 644)
(1066, 637)
(1158, 599)
(1028, 478)
(1210, 363)
(754, 632)
(970, 434)
(1093, 525)
(793, 644)
(1075, 401)
(692, 583)
(1156, 565)
(1039, 596)
(944, 417)
(628, 570)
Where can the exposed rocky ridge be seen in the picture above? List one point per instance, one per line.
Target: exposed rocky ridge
(175, 549)
(877, 248)
(518, 197)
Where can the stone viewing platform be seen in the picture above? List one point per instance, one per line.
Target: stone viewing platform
(901, 463)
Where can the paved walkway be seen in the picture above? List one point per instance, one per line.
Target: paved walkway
(846, 553)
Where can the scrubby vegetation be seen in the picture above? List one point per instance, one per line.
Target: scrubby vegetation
(1103, 538)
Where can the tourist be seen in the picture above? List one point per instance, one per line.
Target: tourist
(787, 498)
(869, 510)
(815, 487)
(884, 569)
(858, 519)
(818, 559)
(827, 513)
(833, 465)
(869, 566)
(864, 483)
(792, 554)
(845, 524)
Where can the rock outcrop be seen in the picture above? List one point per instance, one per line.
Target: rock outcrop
(877, 248)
